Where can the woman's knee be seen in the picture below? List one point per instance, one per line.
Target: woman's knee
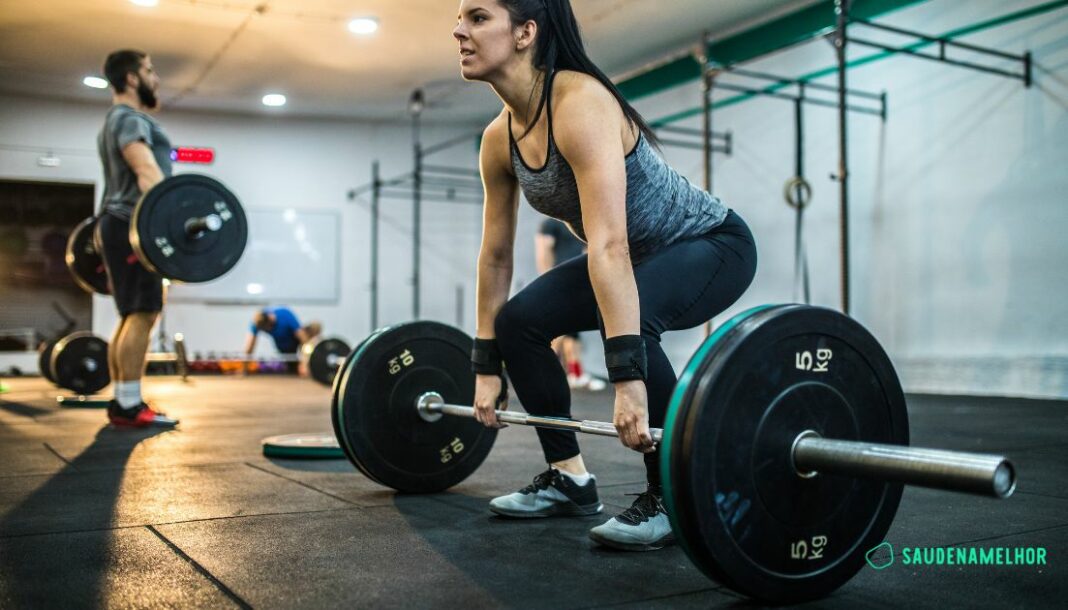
(513, 323)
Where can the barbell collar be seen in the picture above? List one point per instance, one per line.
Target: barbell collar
(197, 226)
(976, 473)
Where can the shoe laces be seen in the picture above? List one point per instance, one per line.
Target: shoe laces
(646, 506)
(541, 481)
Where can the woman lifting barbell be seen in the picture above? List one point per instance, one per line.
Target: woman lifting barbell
(662, 254)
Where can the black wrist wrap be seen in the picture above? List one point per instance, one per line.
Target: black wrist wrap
(486, 357)
(625, 358)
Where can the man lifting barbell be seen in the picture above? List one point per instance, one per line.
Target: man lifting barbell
(187, 228)
(663, 255)
(135, 152)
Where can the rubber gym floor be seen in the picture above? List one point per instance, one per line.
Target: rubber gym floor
(91, 516)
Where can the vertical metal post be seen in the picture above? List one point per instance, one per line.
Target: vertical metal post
(800, 264)
(841, 9)
(706, 120)
(417, 204)
(376, 188)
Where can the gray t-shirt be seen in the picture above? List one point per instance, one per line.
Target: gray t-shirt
(123, 126)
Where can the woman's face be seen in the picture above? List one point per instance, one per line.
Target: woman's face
(486, 36)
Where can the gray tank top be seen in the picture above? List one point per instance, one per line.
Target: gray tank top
(663, 207)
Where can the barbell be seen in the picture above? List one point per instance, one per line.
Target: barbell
(322, 355)
(783, 456)
(187, 228)
(79, 361)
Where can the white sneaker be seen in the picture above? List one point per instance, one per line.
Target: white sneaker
(642, 527)
(551, 493)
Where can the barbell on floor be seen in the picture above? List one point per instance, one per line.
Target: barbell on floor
(79, 361)
(187, 228)
(783, 455)
(323, 356)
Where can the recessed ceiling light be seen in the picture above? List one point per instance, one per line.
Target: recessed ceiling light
(95, 82)
(145, 2)
(363, 25)
(274, 99)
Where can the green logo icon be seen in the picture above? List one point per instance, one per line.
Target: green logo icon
(877, 560)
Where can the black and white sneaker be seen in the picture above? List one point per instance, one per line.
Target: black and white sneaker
(642, 527)
(550, 494)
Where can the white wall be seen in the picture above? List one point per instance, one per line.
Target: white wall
(276, 162)
(957, 202)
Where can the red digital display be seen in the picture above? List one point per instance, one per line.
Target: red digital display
(189, 154)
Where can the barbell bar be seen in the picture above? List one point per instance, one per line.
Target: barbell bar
(977, 473)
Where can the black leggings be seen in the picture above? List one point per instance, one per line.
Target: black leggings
(679, 287)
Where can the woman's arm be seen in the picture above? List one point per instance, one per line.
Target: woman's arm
(587, 126)
(496, 254)
(589, 130)
(495, 258)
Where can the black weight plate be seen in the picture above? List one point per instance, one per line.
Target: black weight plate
(158, 229)
(334, 402)
(376, 417)
(80, 363)
(85, 263)
(324, 358)
(44, 360)
(747, 518)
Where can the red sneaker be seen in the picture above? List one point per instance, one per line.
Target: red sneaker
(139, 417)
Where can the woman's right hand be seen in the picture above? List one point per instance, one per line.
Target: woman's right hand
(487, 391)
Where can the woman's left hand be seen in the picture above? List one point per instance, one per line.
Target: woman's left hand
(631, 415)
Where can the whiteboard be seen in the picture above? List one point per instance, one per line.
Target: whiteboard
(291, 256)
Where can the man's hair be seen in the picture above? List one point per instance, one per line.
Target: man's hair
(119, 64)
(262, 320)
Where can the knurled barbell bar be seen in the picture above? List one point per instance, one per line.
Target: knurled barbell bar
(783, 455)
(187, 228)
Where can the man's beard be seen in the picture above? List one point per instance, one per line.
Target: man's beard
(147, 96)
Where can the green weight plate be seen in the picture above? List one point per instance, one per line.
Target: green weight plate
(321, 445)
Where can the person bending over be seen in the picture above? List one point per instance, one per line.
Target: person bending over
(662, 254)
(282, 325)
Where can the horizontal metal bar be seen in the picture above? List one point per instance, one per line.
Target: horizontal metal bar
(458, 171)
(693, 131)
(794, 98)
(524, 419)
(928, 38)
(433, 148)
(692, 145)
(954, 62)
(989, 475)
(983, 474)
(456, 183)
(794, 81)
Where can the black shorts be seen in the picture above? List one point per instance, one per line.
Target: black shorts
(135, 288)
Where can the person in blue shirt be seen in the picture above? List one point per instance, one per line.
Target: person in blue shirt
(282, 325)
